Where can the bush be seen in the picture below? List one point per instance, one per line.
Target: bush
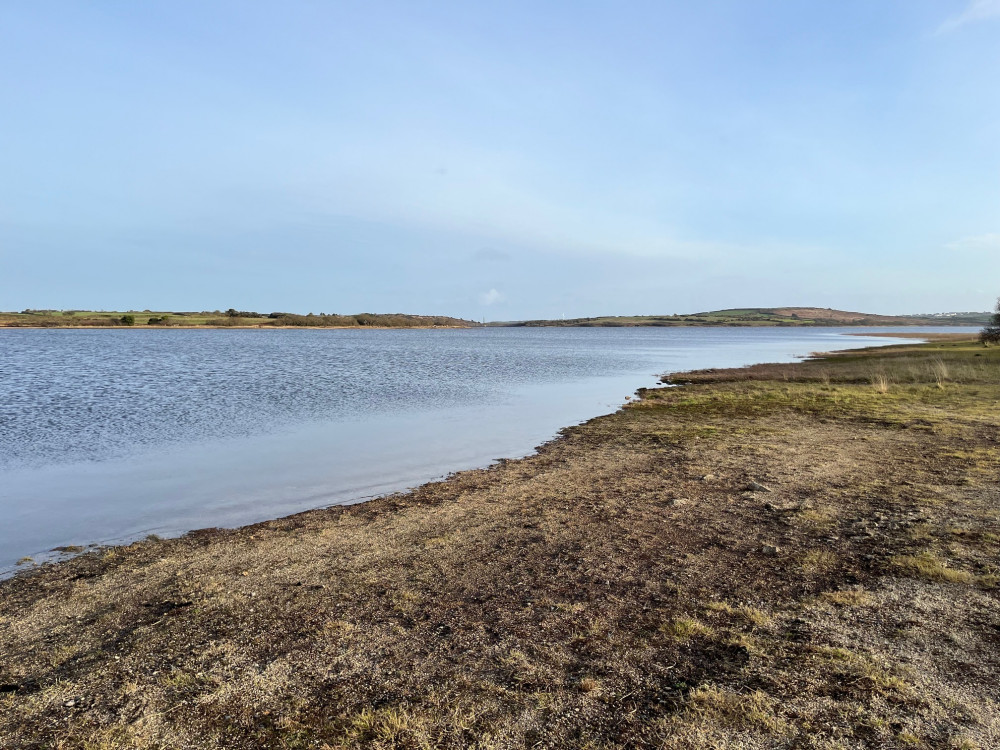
(127, 320)
(991, 333)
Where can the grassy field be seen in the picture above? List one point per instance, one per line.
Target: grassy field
(780, 556)
(784, 316)
(219, 319)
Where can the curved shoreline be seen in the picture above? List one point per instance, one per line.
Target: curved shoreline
(178, 518)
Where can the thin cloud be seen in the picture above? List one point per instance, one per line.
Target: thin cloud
(977, 10)
(490, 254)
(491, 297)
(978, 243)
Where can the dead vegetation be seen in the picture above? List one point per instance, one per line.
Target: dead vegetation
(624, 588)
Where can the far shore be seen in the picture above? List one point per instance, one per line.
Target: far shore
(786, 317)
(225, 328)
(785, 555)
(860, 326)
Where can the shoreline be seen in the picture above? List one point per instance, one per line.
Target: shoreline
(70, 547)
(645, 537)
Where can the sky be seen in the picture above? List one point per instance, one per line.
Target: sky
(500, 160)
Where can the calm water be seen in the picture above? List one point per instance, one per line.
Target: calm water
(107, 435)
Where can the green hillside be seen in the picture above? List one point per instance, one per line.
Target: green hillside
(222, 319)
(768, 316)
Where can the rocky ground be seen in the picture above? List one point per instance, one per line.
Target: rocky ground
(785, 556)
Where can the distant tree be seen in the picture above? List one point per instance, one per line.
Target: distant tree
(128, 320)
(991, 333)
(232, 313)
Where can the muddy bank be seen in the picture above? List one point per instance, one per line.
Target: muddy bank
(796, 555)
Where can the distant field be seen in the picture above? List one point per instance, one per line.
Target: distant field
(227, 319)
(772, 316)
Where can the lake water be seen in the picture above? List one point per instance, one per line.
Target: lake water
(109, 435)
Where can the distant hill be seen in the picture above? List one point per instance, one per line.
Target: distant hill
(217, 319)
(770, 316)
(751, 316)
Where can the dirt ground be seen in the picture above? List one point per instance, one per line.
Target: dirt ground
(783, 556)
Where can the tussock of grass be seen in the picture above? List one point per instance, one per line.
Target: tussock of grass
(856, 666)
(880, 382)
(716, 606)
(723, 708)
(684, 629)
(388, 725)
(818, 561)
(744, 613)
(821, 517)
(753, 616)
(930, 567)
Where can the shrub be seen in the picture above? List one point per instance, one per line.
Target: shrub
(127, 320)
(991, 333)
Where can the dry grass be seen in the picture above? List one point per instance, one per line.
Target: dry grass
(880, 382)
(684, 629)
(818, 561)
(929, 566)
(847, 598)
(718, 707)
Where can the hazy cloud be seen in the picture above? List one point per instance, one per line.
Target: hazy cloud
(491, 297)
(979, 242)
(977, 10)
(490, 254)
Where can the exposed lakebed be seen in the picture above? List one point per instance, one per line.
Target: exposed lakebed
(108, 435)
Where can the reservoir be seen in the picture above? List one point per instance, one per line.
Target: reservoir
(110, 435)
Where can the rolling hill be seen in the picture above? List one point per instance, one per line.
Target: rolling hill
(769, 316)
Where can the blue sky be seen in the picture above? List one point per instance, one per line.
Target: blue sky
(502, 160)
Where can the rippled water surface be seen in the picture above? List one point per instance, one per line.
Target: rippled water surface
(110, 434)
(95, 395)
